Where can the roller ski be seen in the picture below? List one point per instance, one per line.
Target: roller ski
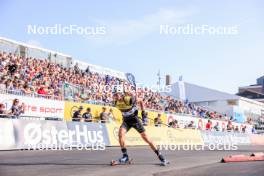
(121, 161)
(163, 161)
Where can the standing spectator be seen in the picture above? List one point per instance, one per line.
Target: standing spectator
(111, 116)
(202, 113)
(87, 71)
(16, 109)
(254, 131)
(236, 129)
(77, 115)
(3, 112)
(76, 68)
(145, 118)
(229, 126)
(87, 116)
(191, 125)
(157, 121)
(2, 84)
(217, 127)
(244, 129)
(208, 125)
(174, 124)
(103, 115)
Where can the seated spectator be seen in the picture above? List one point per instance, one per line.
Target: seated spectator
(26, 89)
(213, 115)
(203, 113)
(77, 115)
(41, 91)
(87, 116)
(157, 121)
(103, 115)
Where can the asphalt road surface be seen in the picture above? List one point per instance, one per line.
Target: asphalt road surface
(145, 163)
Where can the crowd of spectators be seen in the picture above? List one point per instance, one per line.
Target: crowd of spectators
(40, 77)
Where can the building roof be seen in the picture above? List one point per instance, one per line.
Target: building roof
(195, 93)
(33, 47)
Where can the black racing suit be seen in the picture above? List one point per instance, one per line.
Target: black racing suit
(130, 114)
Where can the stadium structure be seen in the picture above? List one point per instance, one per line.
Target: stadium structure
(44, 95)
(238, 107)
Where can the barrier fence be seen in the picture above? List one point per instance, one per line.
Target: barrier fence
(40, 108)
(225, 138)
(25, 134)
(159, 135)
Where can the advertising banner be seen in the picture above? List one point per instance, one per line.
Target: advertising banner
(225, 138)
(38, 107)
(28, 134)
(57, 134)
(40, 134)
(87, 134)
(7, 138)
(184, 136)
(159, 135)
(257, 139)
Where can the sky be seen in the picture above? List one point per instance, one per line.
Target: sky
(133, 42)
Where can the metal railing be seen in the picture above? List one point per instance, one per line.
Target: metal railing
(33, 95)
(27, 117)
(51, 97)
